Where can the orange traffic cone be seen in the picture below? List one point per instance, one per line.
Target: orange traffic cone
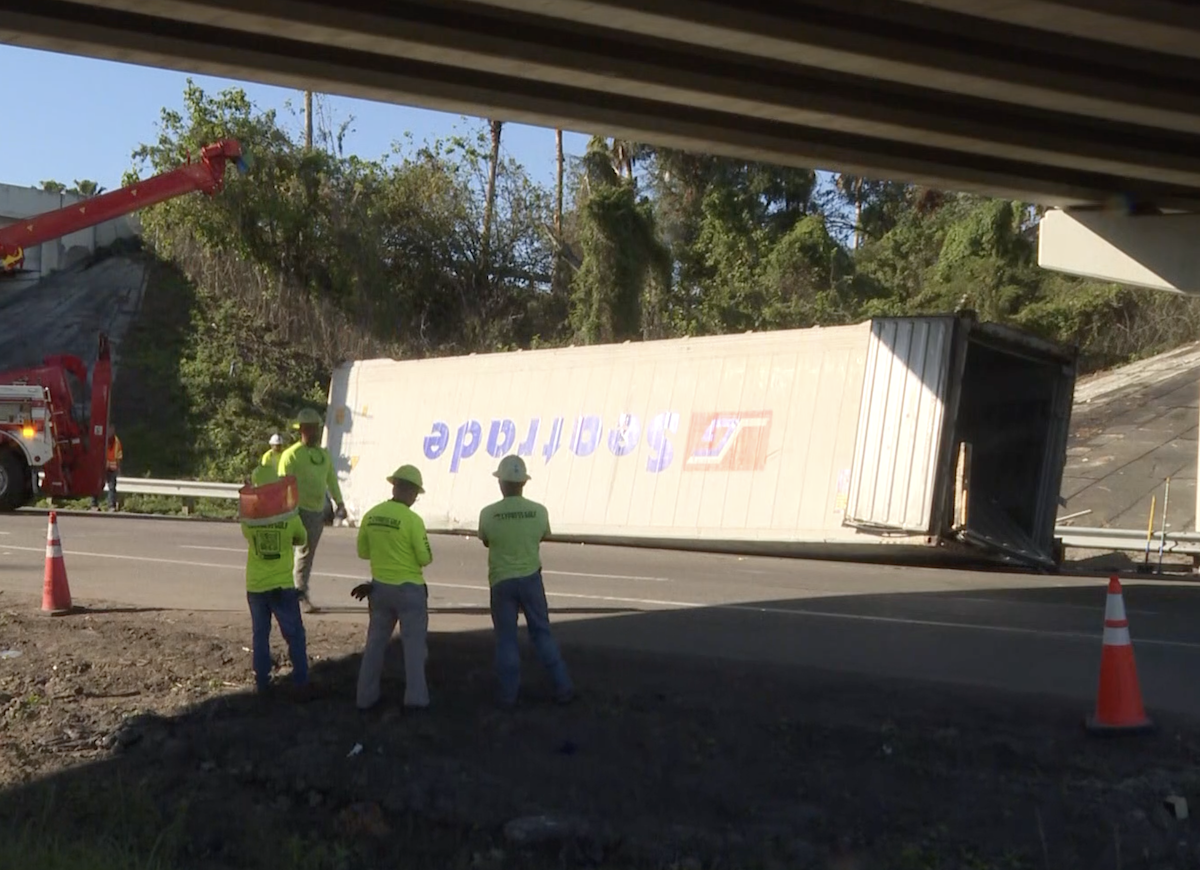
(56, 592)
(1119, 698)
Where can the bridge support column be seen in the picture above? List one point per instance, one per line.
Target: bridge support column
(1160, 251)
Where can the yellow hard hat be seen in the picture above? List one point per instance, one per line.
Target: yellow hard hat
(307, 416)
(263, 475)
(409, 474)
(511, 470)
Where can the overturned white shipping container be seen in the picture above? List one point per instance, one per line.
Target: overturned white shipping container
(927, 432)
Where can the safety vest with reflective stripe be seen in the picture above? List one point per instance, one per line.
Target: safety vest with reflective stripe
(114, 454)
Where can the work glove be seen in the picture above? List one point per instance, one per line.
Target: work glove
(361, 591)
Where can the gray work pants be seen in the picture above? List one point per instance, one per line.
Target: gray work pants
(314, 524)
(408, 604)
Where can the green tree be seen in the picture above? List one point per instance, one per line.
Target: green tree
(85, 188)
(620, 288)
(447, 247)
(864, 209)
(311, 258)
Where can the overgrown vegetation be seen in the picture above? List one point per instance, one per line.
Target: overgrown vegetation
(314, 257)
(122, 825)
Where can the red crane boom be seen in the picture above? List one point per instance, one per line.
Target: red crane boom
(48, 443)
(207, 175)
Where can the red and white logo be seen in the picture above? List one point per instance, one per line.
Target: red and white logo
(734, 441)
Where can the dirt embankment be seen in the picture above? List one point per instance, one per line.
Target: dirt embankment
(134, 731)
(65, 313)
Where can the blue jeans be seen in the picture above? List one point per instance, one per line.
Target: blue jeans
(110, 480)
(284, 605)
(524, 595)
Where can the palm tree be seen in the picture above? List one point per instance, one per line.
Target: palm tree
(558, 184)
(86, 188)
(489, 207)
(308, 120)
(851, 187)
(623, 153)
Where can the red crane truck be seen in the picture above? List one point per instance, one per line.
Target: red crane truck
(53, 424)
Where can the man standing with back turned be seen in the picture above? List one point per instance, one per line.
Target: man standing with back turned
(312, 466)
(393, 537)
(269, 591)
(513, 529)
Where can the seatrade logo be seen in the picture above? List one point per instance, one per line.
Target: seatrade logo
(727, 441)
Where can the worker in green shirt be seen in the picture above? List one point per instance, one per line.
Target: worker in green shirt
(270, 591)
(271, 457)
(513, 530)
(393, 537)
(312, 466)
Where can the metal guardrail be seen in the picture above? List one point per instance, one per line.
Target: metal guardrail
(180, 488)
(1082, 538)
(1075, 537)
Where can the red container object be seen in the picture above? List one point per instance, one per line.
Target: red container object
(269, 503)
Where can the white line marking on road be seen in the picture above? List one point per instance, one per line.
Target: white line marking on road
(141, 558)
(697, 605)
(937, 623)
(607, 576)
(555, 573)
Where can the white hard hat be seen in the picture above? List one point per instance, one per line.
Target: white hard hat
(511, 470)
(276, 440)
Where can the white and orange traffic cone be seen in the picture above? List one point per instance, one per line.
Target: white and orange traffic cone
(56, 592)
(1119, 697)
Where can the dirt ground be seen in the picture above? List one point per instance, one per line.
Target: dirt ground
(129, 738)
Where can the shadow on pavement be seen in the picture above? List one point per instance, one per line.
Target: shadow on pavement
(470, 610)
(1044, 639)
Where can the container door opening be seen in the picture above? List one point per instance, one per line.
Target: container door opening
(1005, 432)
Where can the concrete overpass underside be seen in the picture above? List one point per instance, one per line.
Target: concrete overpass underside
(1090, 104)
(1065, 102)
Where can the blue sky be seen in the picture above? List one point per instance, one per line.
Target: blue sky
(84, 118)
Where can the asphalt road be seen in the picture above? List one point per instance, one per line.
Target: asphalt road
(999, 630)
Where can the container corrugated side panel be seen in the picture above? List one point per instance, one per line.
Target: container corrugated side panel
(746, 437)
(893, 481)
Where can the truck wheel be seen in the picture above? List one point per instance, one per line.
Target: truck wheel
(14, 481)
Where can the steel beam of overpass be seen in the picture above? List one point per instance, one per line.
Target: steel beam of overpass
(1064, 102)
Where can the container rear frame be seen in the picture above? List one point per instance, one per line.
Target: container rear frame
(1060, 364)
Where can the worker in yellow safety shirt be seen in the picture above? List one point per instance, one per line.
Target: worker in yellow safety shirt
(393, 537)
(312, 466)
(271, 457)
(113, 455)
(513, 530)
(270, 591)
